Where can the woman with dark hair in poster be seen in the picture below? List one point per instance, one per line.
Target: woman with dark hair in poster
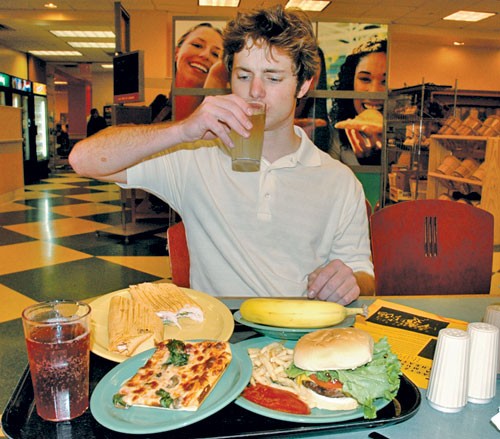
(357, 139)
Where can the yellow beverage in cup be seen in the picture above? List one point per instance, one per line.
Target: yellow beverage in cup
(247, 151)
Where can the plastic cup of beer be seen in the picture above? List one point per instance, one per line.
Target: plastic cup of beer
(247, 151)
(58, 342)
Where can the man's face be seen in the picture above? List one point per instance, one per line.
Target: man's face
(267, 75)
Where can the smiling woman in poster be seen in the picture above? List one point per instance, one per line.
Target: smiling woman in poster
(196, 52)
(357, 139)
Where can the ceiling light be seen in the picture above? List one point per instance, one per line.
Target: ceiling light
(107, 66)
(50, 6)
(219, 3)
(60, 82)
(55, 53)
(308, 5)
(91, 45)
(468, 16)
(82, 34)
(458, 43)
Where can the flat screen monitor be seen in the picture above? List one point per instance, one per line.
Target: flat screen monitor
(128, 77)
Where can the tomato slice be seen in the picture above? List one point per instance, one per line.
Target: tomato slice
(276, 399)
(329, 385)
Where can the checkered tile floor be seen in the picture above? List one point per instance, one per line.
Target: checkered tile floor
(54, 244)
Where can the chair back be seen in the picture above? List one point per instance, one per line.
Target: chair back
(179, 254)
(432, 247)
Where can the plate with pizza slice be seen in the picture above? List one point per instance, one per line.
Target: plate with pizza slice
(124, 323)
(151, 393)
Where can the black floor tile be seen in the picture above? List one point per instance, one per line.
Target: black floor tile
(76, 280)
(109, 245)
(8, 237)
(90, 183)
(48, 202)
(28, 216)
(72, 191)
(112, 219)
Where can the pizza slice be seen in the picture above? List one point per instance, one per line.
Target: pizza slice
(178, 376)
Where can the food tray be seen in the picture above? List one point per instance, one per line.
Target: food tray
(21, 421)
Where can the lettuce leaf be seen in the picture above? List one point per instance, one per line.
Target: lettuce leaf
(377, 379)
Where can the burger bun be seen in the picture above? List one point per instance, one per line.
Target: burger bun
(333, 349)
(315, 400)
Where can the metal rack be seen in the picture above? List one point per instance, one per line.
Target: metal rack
(411, 118)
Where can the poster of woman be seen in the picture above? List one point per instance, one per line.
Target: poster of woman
(197, 50)
(356, 63)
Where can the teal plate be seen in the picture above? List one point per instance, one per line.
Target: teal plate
(288, 333)
(317, 416)
(145, 420)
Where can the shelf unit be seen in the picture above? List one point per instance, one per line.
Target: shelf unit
(411, 111)
(459, 102)
(410, 120)
(483, 149)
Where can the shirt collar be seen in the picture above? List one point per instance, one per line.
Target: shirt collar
(307, 154)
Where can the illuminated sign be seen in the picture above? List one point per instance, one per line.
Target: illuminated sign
(39, 89)
(20, 84)
(4, 80)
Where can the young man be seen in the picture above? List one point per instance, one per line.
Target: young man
(299, 225)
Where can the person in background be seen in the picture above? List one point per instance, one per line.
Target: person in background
(365, 71)
(62, 139)
(96, 122)
(244, 235)
(160, 109)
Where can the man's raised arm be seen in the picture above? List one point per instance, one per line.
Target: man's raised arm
(109, 153)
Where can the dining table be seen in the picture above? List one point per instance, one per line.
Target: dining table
(414, 418)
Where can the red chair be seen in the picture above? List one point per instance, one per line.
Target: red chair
(432, 247)
(179, 254)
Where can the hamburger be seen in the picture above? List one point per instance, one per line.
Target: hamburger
(342, 369)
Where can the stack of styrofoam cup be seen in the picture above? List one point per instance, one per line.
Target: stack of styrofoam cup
(483, 359)
(447, 390)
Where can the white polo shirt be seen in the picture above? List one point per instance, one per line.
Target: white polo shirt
(260, 233)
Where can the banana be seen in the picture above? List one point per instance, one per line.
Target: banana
(296, 313)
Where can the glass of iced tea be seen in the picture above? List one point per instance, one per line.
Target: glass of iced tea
(247, 151)
(58, 342)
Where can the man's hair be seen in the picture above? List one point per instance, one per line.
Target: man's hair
(287, 30)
